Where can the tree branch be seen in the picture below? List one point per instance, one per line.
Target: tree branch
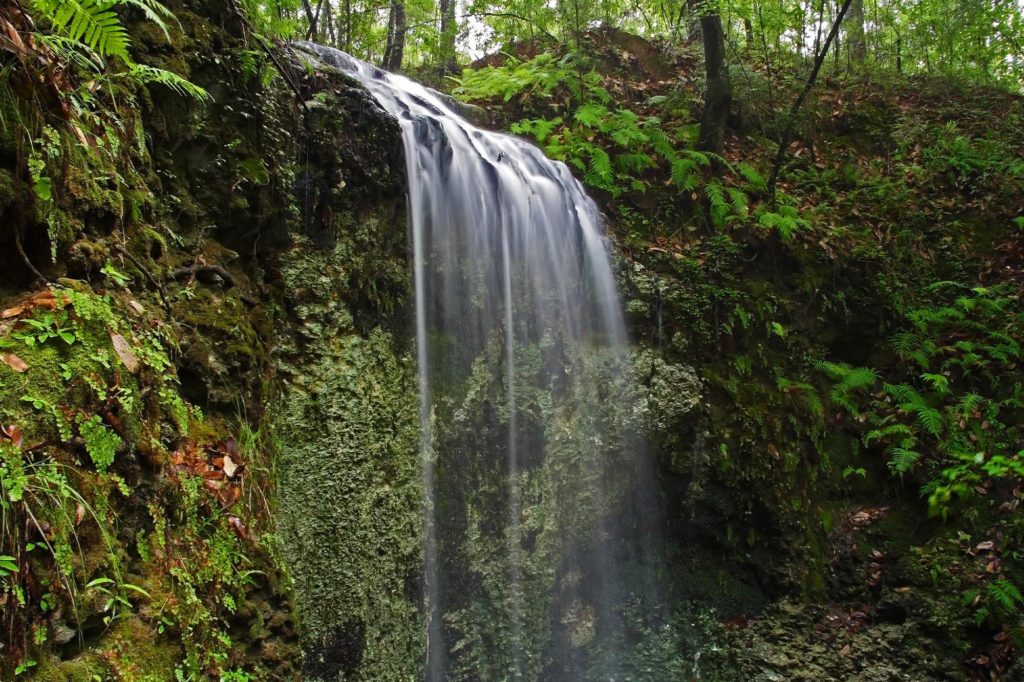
(787, 132)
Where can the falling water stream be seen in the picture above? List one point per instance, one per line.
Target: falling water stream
(511, 268)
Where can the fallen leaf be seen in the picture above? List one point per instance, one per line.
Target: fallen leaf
(14, 433)
(230, 468)
(13, 312)
(228, 496)
(43, 299)
(125, 352)
(14, 362)
(238, 527)
(845, 651)
(985, 546)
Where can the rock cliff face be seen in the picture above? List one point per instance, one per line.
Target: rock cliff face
(255, 263)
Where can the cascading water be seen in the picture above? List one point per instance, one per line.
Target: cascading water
(538, 517)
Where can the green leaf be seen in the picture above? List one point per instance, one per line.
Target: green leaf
(43, 187)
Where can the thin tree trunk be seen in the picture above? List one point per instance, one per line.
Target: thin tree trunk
(347, 45)
(858, 38)
(314, 17)
(329, 22)
(396, 37)
(448, 30)
(718, 96)
(787, 132)
(309, 15)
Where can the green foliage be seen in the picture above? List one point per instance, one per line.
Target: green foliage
(537, 77)
(851, 384)
(785, 220)
(614, 148)
(49, 325)
(100, 442)
(93, 23)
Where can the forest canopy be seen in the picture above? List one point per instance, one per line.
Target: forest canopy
(981, 40)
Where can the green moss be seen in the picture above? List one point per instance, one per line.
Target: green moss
(350, 483)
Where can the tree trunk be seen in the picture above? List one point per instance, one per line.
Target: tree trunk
(447, 39)
(396, 37)
(718, 96)
(858, 39)
(313, 32)
(311, 18)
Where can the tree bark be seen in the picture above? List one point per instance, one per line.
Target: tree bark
(396, 37)
(309, 17)
(787, 132)
(348, 25)
(312, 33)
(718, 95)
(329, 22)
(447, 38)
(858, 38)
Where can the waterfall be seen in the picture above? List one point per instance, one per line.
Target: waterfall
(539, 521)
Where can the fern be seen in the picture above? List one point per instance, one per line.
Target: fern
(887, 432)
(938, 382)
(1005, 594)
(591, 115)
(599, 172)
(684, 174)
(786, 221)
(738, 199)
(634, 163)
(970, 403)
(752, 176)
(151, 74)
(903, 459)
(660, 142)
(911, 401)
(720, 208)
(90, 22)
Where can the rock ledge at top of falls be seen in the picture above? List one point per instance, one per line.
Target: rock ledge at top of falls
(476, 115)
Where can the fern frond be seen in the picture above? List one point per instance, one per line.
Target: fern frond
(835, 371)
(684, 174)
(739, 201)
(938, 382)
(1005, 593)
(860, 377)
(591, 115)
(903, 460)
(90, 22)
(632, 163)
(720, 209)
(970, 403)
(751, 175)
(71, 51)
(887, 432)
(153, 75)
(903, 393)
(154, 11)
